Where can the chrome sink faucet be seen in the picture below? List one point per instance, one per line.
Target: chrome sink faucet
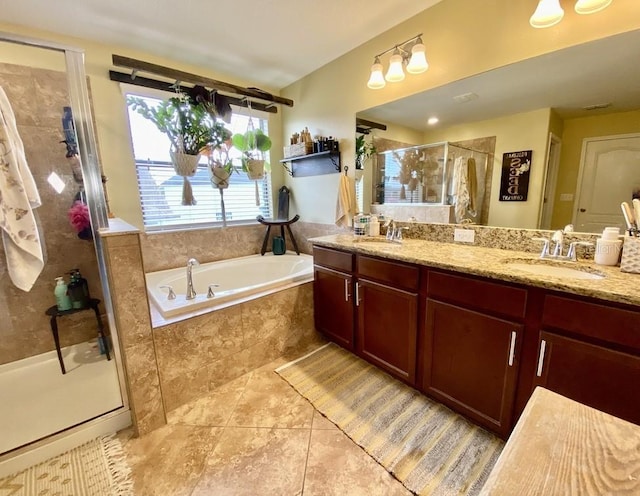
(558, 250)
(191, 293)
(394, 233)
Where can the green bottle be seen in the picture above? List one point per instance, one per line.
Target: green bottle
(62, 295)
(78, 290)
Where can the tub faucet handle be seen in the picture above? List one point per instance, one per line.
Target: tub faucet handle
(210, 293)
(171, 295)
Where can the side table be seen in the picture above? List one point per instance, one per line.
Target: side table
(54, 313)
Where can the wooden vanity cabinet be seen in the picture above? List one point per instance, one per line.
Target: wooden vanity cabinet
(471, 339)
(591, 353)
(333, 291)
(387, 318)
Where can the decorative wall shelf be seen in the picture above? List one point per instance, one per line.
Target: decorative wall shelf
(313, 164)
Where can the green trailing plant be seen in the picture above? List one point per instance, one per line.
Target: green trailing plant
(189, 127)
(364, 150)
(253, 143)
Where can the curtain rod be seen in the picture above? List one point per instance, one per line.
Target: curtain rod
(186, 77)
(122, 77)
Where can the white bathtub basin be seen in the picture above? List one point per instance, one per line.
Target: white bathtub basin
(237, 280)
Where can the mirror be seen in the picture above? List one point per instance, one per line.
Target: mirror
(548, 104)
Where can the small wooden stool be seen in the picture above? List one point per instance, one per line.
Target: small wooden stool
(282, 223)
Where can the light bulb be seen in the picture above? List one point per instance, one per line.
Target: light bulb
(591, 6)
(395, 74)
(418, 62)
(547, 14)
(376, 81)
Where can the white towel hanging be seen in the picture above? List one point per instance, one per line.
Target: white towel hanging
(346, 204)
(18, 197)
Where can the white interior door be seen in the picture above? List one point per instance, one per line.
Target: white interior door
(609, 173)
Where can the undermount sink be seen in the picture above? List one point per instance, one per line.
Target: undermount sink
(375, 242)
(540, 268)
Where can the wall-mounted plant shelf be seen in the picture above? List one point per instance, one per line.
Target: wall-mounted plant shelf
(314, 164)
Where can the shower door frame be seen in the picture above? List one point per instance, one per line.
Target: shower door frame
(96, 201)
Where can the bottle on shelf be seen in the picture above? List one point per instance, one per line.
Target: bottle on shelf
(61, 292)
(78, 290)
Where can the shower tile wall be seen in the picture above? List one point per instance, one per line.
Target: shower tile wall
(38, 97)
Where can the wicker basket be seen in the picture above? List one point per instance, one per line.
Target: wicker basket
(298, 150)
(630, 261)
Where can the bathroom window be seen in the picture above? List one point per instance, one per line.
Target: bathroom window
(160, 187)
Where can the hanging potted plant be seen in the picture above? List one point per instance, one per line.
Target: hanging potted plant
(364, 150)
(253, 144)
(220, 169)
(190, 129)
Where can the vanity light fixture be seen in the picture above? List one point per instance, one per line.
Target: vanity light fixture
(591, 6)
(549, 12)
(410, 53)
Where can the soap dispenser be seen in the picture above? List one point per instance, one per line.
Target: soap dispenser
(78, 290)
(61, 293)
(608, 247)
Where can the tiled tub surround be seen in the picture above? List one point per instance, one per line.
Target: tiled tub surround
(493, 263)
(169, 249)
(131, 312)
(175, 363)
(198, 354)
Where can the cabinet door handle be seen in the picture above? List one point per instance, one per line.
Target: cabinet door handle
(346, 290)
(512, 347)
(357, 294)
(543, 347)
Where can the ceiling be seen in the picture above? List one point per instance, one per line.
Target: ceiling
(599, 72)
(267, 42)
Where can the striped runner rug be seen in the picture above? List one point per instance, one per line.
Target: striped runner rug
(427, 447)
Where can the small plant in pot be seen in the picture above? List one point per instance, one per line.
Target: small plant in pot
(253, 144)
(190, 129)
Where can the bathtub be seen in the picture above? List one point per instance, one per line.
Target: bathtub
(238, 280)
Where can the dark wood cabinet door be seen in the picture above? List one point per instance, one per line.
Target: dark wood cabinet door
(387, 328)
(471, 362)
(594, 375)
(333, 305)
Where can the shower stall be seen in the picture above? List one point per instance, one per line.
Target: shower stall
(431, 175)
(54, 397)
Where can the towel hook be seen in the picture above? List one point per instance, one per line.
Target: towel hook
(346, 168)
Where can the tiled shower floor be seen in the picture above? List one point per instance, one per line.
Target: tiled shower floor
(37, 399)
(253, 436)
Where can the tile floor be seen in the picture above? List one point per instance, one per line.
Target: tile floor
(253, 436)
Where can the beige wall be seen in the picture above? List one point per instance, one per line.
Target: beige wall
(525, 131)
(575, 131)
(328, 99)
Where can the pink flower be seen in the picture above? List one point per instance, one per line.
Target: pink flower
(79, 216)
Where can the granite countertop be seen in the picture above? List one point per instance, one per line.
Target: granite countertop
(494, 263)
(562, 447)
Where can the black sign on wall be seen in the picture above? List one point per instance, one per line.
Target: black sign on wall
(514, 182)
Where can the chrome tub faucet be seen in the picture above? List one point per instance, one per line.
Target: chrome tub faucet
(191, 293)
